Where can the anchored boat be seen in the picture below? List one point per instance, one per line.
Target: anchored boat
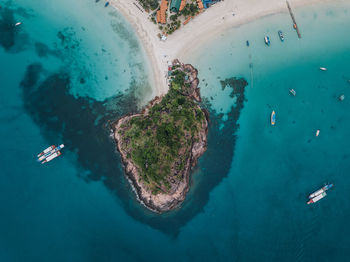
(273, 118)
(280, 34)
(323, 69)
(317, 198)
(106, 4)
(267, 40)
(18, 23)
(52, 156)
(292, 92)
(50, 153)
(317, 132)
(47, 150)
(319, 194)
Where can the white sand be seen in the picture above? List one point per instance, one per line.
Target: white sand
(204, 27)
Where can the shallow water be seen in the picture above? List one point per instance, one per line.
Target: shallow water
(248, 194)
(276, 167)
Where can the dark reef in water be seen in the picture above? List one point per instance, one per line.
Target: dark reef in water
(237, 85)
(12, 39)
(43, 50)
(7, 29)
(81, 124)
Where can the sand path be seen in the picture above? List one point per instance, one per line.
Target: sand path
(204, 27)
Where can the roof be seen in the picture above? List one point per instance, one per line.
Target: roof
(187, 20)
(175, 5)
(183, 4)
(158, 16)
(161, 13)
(200, 4)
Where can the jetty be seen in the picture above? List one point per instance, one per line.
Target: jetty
(295, 26)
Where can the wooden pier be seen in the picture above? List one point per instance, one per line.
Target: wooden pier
(295, 26)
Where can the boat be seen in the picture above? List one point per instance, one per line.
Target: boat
(273, 118)
(317, 132)
(46, 155)
(323, 69)
(341, 98)
(292, 92)
(60, 147)
(267, 40)
(106, 4)
(317, 198)
(47, 150)
(50, 153)
(51, 157)
(18, 23)
(320, 191)
(280, 34)
(247, 43)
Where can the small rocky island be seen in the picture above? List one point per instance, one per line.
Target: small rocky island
(160, 145)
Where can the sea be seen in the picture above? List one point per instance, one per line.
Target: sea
(71, 67)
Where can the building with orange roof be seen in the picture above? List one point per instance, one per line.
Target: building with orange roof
(161, 13)
(187, 20)
(183, 4)
(158, 16)
(200, 4)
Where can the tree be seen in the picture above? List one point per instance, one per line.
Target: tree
(173, 17)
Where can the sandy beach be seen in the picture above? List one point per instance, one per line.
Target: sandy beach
(206, 26)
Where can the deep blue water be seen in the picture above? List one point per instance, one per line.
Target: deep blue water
(72, 66)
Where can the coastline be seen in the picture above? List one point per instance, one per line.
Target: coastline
(162, 202)
(172, 193)
(205, 27)
(248, 192)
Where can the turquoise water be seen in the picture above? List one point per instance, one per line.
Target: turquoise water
(275, 167)
(71, 67)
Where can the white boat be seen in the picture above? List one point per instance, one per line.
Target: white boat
(50, 153)
(18, 23)
(273, 118)
(341, 98)
(45, 156)
(292, 92)
(47, 150)
(323, 69)
(317, 198)
(317, 132)
(52, 156)
(319, 194)
(320, 191)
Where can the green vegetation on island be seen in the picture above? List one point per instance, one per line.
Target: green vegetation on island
(159, 141)
(174, 15)
(149, 4)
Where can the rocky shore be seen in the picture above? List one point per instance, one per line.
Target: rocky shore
(165, 200)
